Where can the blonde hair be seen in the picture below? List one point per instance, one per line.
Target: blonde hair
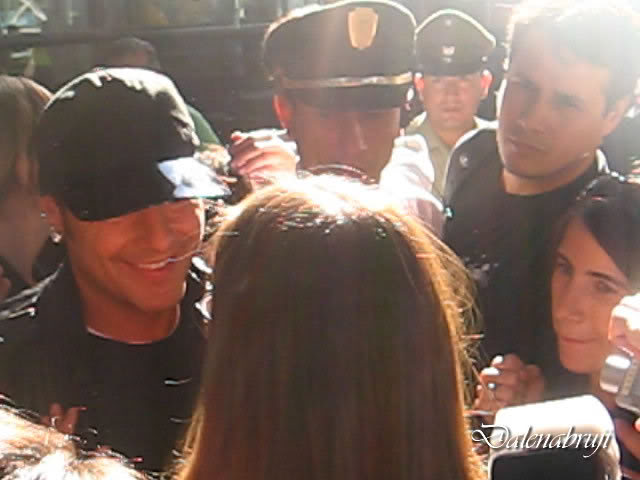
(33, 452)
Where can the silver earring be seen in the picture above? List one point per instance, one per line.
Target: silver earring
(54, 235)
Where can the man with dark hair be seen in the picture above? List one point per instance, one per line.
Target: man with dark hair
(134, 52)
(570, 77)
(341, 74)
(131, 52)
(110, 347)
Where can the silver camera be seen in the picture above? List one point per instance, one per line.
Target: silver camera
(572, 438)
(619, 376)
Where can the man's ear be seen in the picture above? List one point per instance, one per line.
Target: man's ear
(614, 114)
(53, 212)
(284, 110)
(485, 82)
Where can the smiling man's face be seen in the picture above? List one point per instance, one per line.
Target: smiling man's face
(140, 259)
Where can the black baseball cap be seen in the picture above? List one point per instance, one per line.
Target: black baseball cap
(118, 140)
(353, 54)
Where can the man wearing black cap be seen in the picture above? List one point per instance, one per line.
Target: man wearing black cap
(569, 82)
(341, 74)
(452, 53)
(110, 346)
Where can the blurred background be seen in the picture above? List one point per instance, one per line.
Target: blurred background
(211, 48)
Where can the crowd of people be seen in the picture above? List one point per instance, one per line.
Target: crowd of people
(333, 298)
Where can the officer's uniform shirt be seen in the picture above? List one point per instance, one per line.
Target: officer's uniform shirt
(409, 177)
(504, 240)
(439, 151)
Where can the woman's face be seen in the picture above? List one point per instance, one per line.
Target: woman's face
(586, 285)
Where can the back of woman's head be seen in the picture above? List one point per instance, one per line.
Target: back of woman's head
(609, 208)
(335, 351)
(21, 103)
(33, 452)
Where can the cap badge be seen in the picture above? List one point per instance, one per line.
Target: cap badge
(448, 51)
(363, 26)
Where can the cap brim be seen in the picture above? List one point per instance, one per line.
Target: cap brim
(132, 190)
(438, 68)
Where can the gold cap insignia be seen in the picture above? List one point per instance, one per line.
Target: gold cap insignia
(448, 51)
(363, 26)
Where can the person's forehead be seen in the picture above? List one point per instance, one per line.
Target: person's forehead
(452, 78)
(137, 58)
(577, 241)
(555, 67)
(347, 113)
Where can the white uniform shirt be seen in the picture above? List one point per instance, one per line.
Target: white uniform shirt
(408, 177)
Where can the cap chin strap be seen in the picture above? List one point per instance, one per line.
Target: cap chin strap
(391, 80)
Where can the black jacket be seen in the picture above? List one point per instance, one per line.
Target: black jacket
(138, 397)
(504, 241)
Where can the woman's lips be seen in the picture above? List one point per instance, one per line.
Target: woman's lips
(576, 341)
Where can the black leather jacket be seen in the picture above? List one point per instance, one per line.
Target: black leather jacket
(47, 356)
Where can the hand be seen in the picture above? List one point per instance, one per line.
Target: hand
(624, 324)
(5, 285)
(630, 439)
(215, 156)
(262, 157)
(64, 422)
(508, 382)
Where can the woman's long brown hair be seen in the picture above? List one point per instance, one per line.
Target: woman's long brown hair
(336, 351)
(21, 104)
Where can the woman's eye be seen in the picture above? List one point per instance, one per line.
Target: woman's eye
(561, 266)
(605, 287)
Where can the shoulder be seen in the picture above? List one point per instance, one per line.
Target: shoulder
(203, 128)
(475, 150)
(468, 153)
(484, 137)
(481, 123)
(18, 314)
(19, 334)
(414, 143)
(410, 160)
(23, 303)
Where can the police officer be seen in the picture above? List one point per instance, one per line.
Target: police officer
(341, 74)
(565, 90)
(109, 347)
(452, 52)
